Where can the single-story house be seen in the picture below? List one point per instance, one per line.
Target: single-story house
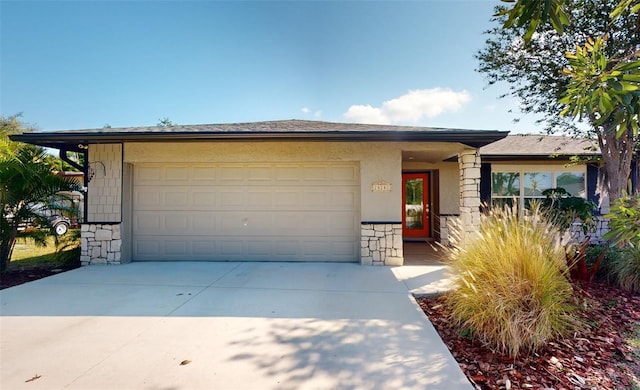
(297, 190)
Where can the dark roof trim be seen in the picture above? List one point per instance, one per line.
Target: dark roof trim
(538, 157)
(73, 139)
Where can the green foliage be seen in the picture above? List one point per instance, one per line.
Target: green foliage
(602, 88)
(611, 254)
(624, 221)
(512, 290)
(565, 209)
(165, 122)
(532, 13)
(633, 6)
(625, 269)
(68, 248)
(599, 84)
(29, 189)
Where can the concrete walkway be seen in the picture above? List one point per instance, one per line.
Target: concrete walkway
(225, 326)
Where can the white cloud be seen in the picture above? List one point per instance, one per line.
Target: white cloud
(411, 107)
(317, 114)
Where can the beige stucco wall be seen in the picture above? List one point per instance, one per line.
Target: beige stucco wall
(379, 161)
(107, 235)
(449, 177)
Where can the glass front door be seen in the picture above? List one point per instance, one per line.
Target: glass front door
(415, 204)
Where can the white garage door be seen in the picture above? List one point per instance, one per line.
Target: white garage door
(246, 212)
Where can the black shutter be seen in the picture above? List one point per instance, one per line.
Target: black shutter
(485, 183)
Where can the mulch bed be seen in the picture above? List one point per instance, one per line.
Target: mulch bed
(17, 276)
(596, 357)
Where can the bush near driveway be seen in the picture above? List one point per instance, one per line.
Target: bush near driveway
(512, 289)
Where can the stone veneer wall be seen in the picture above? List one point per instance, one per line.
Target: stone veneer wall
(101, 244)
(448, 225)
(595, 237)
(469, 163)
(381, 244)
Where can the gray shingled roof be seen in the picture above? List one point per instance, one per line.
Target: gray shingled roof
(261, 131)
(522, 145)
(279, 126)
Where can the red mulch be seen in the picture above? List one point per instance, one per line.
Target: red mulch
(597, 357)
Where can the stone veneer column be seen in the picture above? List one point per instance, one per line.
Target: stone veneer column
(469, 163)
(101, 244)
(448, 227)
(381, 244)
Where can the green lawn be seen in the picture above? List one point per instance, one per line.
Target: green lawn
(28, 255)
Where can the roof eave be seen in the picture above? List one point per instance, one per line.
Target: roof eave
(472, 138)
(536, 157)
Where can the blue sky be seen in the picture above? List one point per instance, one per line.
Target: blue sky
(83, 64)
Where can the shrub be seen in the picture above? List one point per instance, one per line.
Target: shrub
(625, 269)
(68, 249)
(512, 290)
(624, 220)
(565, 210)
(612, 254)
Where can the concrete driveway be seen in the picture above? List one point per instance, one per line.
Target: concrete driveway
(224, 326)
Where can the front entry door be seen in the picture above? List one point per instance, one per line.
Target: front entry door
(415, 205)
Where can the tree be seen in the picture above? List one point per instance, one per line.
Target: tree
(28, 190)
(580, 71)
(165, 122)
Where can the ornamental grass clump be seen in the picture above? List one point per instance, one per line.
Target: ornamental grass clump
(512, 288)
(625, 269)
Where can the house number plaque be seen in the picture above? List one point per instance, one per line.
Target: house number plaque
(380, 186)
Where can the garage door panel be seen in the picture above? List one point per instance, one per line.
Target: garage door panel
(287, 175)
(177, 200)
(231, 199)
(250, 212)
(148, 174)
(148, 248)
(203, 199)
(315, 174)
(202, 175)
(232, 174)
(260, 248)
(147, 199)
(260, 199)
(231, 247)
(344, 174)
(205, 222)
(285, 199)
(175, 248)
(203, 248)
(260, 174)
(176, 174)
(345, 200)
(149, 222)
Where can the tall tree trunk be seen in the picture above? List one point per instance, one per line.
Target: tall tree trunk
(6, 248)
(617, 153)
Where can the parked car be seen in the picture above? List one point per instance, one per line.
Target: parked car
(60, 224)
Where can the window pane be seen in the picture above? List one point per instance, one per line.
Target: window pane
(413, 204)
(501, 203)
(536, 182)
(572, 182)
(505, 184)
